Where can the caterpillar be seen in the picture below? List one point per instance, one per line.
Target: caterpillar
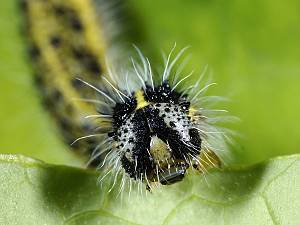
(145, 127)
(157, 126)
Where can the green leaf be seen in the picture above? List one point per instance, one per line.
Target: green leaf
(33, 192)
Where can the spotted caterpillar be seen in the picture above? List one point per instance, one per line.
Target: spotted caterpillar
(145, 127)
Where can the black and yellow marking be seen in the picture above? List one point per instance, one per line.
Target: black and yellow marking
(67, 41)
(140, 99)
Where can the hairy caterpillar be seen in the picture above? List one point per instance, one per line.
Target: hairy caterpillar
(146, 129)
(156, 129)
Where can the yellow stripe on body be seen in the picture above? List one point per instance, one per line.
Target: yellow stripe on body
(94, 36)
(141, 101)
(57, 65)
(60, 77)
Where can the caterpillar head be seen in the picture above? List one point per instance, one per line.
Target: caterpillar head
(157, 131)
(155, 135)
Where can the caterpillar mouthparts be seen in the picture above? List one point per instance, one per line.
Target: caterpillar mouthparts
(153, 131)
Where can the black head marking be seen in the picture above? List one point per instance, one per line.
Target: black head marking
(162, 93)
(138, 126)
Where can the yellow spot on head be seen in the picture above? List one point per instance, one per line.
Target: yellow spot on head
(192, 111)
(141, 101)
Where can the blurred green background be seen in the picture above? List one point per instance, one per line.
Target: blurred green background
(252, 48)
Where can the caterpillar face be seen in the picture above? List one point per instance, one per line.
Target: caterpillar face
(154, 133)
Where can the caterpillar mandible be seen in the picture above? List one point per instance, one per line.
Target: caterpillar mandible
(144, 126)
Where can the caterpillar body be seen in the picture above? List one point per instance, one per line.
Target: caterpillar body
(144, 126)
(70, 39)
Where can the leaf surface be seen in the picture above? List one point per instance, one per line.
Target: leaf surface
(33, 192)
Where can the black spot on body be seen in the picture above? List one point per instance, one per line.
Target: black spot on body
(69, 17)
(172, 124)
(76, 83)
(76, 24)
(65, 124)
(34, 51)
(23, 5)
(59, 10)
(93, 66)
(55, 41)
(78, 53)
(39, 80)
(89, 61)
(57, 95)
